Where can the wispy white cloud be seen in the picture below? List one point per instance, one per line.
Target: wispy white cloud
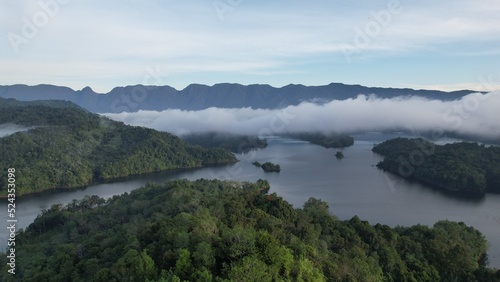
(254, 36)
(474, 114)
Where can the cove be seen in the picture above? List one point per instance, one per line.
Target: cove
(351, 185)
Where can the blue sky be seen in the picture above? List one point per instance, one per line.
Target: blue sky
(444, 45)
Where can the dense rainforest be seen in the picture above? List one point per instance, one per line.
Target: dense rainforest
(461, 166)
(70, 147)
(211, 230)
(233, 142)
(331, 140)
(244, 143)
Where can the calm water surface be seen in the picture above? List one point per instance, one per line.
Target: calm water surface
(351, 186)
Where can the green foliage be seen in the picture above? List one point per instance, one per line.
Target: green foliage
(332, 140)
(249, 269)
(210, 230)
(270, 167)
(234, 143)
(70, 147)
(459, 166)
(6, 103)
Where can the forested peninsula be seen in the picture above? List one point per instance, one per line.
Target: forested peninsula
(211, 230)
(461, 166)
(327, 140)
(69, 147)
(233, 142)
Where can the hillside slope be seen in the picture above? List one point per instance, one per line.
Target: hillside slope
(70, 147)
(210, 230)
(462, 166)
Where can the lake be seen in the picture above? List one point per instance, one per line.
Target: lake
(351, 186)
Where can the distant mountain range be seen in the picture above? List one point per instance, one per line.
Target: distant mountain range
(198, 97)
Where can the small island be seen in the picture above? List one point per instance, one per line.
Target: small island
(268, 166)
(339, 155)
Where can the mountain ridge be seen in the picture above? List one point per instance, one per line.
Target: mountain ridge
(133, 98)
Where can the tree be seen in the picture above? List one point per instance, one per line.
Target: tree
(183, 266)
(249, 269)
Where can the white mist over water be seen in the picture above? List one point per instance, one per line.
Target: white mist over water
(474, 114)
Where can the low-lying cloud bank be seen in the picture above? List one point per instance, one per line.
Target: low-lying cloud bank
(7, 129)
(475, 114)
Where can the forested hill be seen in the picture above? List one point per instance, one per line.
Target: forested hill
(222, 95)
(327, 140)
(70, 147)
(209, 230)
(10, 102)
(233, 142)
(462, 166)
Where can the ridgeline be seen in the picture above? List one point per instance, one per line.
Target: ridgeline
(199, 97)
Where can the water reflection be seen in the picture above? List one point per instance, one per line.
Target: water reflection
(396, 182)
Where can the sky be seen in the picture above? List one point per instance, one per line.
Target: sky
(445, 45)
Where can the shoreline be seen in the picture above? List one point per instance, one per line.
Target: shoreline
(111, 180)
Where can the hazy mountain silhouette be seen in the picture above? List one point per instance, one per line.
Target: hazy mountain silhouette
(198, 97)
